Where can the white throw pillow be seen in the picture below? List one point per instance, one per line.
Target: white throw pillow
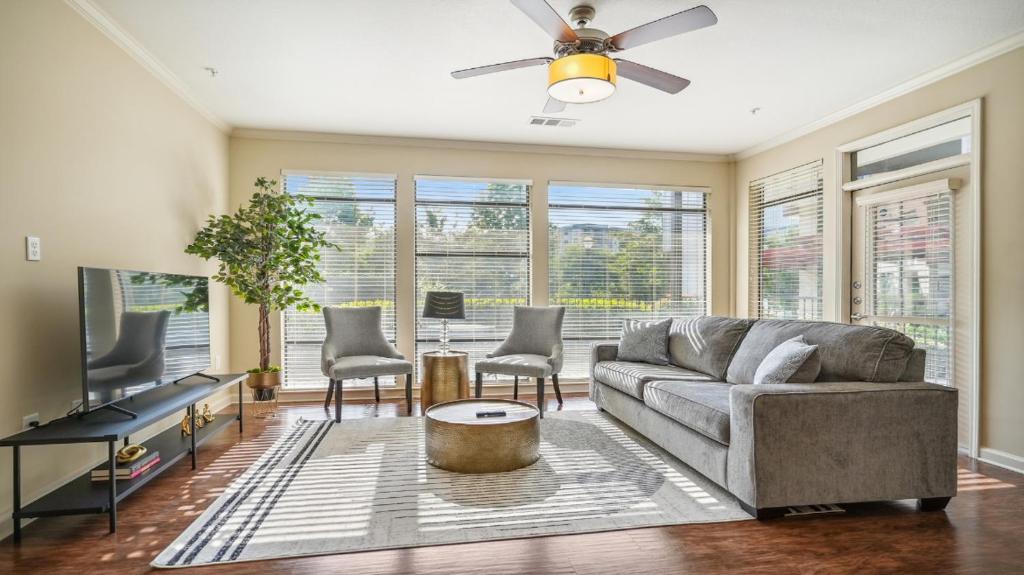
(785, 360)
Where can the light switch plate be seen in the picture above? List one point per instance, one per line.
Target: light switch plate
(33, 249)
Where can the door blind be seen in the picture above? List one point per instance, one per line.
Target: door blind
(358, 214)
(910, 274)
(472, 236)
(618, 252)
(786, 255)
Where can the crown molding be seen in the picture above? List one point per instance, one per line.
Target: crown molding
(106, 24)
(989, 52)
(365, 140)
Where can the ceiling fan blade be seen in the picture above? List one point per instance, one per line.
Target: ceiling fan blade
(553, 106)
(481, 70)
(545, 16)
(650, 77)
(685, 21)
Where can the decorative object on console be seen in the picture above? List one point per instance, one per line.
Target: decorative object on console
(240, 239)
(207, 414)
(130, 453)
(444, 305)
(186, 425)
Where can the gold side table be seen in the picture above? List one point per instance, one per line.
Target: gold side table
(445, 377)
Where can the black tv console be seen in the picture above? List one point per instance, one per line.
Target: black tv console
(82, 494)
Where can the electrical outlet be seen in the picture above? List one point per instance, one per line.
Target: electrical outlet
(28, 420)
(33, 249)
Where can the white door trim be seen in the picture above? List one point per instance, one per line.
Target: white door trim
(844, 209)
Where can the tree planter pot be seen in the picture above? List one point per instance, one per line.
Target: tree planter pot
(264, 388)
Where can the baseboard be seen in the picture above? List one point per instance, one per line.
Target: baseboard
(526, 389)
(217, 403)
(1002, 459)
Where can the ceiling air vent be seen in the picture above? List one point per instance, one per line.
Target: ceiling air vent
(546, 121)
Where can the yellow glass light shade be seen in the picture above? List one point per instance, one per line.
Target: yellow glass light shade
(581, 78)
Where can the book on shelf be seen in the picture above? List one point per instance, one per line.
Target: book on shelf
(128, 470)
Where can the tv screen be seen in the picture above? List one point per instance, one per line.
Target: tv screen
(140, 330)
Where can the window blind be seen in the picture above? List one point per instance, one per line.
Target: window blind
(786, 253)
(472, 236)
(618, 252)
(357, 212)
(910, 275)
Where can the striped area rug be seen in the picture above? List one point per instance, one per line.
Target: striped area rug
(363, 484)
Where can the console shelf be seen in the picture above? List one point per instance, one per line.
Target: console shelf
(82, 494)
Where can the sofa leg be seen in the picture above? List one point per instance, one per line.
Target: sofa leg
(932, 503)
(764, 513)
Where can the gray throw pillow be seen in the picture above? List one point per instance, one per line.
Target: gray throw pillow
(645, 341)
(783, 362)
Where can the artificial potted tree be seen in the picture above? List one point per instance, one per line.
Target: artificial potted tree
(268, 250)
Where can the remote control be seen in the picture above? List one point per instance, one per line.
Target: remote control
(490, 414)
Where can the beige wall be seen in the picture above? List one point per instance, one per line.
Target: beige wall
(256, 154)
(1000, 83)
(109, 168)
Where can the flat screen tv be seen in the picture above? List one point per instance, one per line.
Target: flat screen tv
(140, 330)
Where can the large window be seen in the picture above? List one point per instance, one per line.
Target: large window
(618, 252)
(472, 236)
(786, 221)
(358, 214)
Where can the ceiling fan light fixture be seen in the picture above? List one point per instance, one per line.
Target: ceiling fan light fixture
(581, 78)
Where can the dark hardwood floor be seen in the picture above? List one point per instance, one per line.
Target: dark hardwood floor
(982, 531)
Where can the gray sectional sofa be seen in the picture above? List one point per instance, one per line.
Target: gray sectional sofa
(867, 429)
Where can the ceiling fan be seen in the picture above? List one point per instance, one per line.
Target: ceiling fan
(581, 70)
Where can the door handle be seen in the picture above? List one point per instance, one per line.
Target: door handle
(856, 317)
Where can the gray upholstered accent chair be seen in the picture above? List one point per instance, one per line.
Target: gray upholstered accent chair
(533, 349)
(356, 348)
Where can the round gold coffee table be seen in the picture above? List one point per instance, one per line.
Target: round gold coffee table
(458, 440)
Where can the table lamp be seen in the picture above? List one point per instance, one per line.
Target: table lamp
(444, 305)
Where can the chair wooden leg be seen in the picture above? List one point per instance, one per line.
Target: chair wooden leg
(515, 388)
(540, 395)
(479, 384)
(409, 394)
(337, 401)
(376, 390)
(330, 394)
(558, 392)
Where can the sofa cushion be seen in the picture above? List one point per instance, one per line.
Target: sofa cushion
(645, 341)
(700, 405)
(706, 344)
(847, 352)
(786, 361)
(631, 377)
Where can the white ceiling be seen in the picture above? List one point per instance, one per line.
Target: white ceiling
(382, 67)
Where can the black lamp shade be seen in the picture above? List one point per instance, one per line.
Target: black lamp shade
(444, 305)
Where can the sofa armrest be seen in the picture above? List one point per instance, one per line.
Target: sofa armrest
(806, 444)
(603, 351)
